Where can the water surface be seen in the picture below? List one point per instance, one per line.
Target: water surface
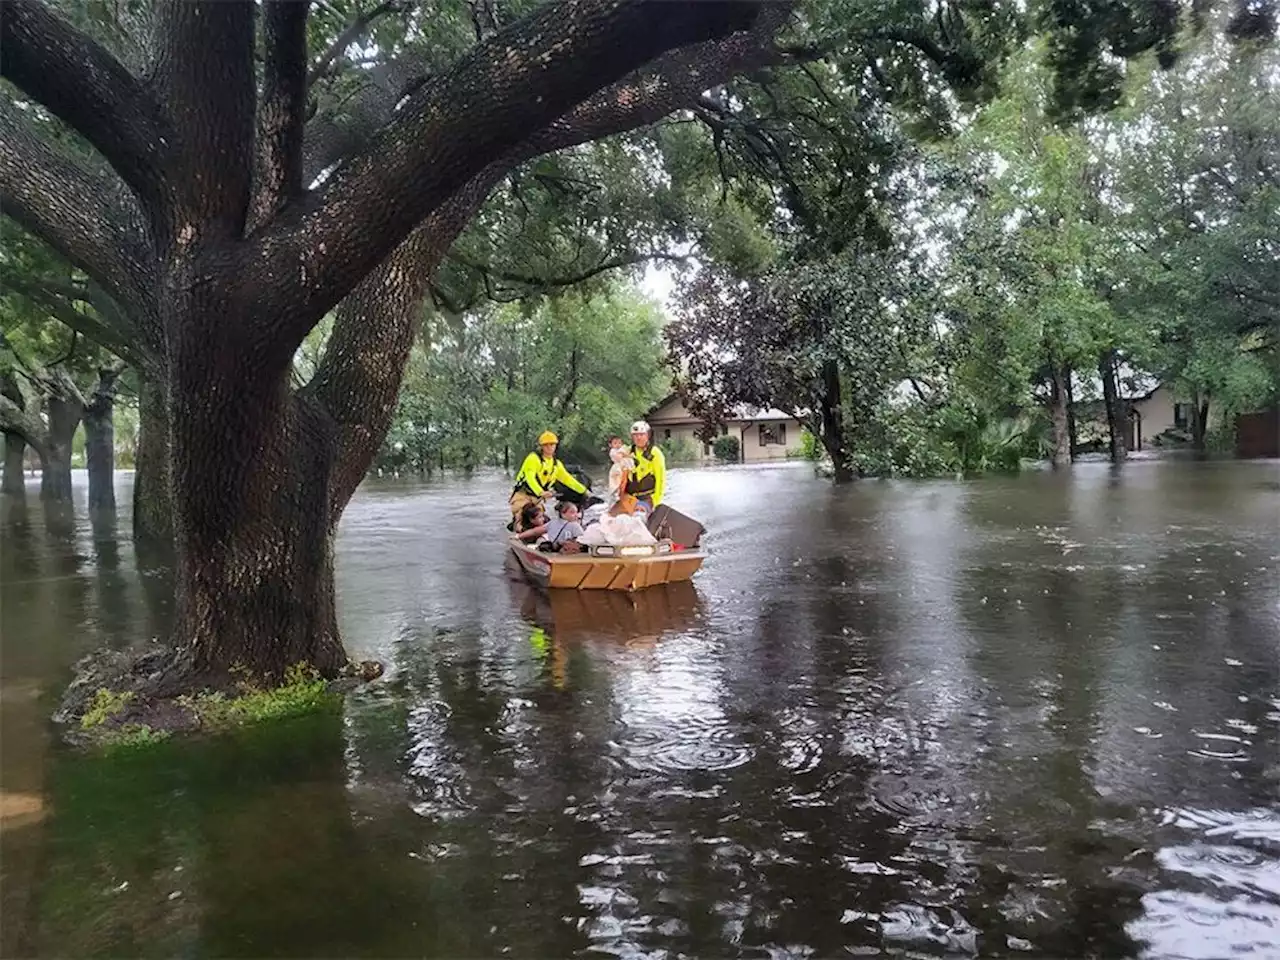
(1026, 717)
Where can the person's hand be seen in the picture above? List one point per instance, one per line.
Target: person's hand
(548, 495)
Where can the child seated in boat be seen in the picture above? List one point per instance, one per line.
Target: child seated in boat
(564, 529)
(532, 522)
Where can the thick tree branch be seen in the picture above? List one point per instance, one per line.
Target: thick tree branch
(508, 88)
(359, 376)
(13, 419)
(205, 76)
(278, 166)
(83, 84)
(74, 210)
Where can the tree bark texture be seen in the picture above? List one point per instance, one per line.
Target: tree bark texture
(14, 482)
(1072, 428)
(1199, 420)
(226, 262)
(63, 414)
(152, 493)
(833, 433)
(1115, 411)
(1059, 412)
(100, 441)
(256, 594)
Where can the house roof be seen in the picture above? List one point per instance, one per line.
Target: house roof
(741, 414)
(1137, 397)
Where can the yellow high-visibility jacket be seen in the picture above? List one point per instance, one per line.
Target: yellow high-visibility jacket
(537, 474)
(649, 478)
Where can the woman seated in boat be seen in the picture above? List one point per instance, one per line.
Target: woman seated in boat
(532, 522)
(562, 533)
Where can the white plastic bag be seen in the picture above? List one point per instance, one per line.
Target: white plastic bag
(593, 514)
(623, 531)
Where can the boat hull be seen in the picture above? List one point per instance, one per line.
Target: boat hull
(583, 572)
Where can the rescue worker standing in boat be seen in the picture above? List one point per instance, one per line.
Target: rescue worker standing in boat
(539, 471)
(649, 478)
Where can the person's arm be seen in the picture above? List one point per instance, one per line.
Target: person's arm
(533, 533)
(529, 471)
(659, 475)
(568, 479)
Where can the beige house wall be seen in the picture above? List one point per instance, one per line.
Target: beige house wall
(753, 451)
(664, 436)
(672, 421)
(1158, 415)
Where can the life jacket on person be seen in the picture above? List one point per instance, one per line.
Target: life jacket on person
(645, 479)
(537, 474)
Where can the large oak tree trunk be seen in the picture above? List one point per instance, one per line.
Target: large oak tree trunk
(1114, 406)
(152, 497)
(100, 442)
(1072, 430)
(1059, 375)
(15, 480)
(1199, 421)
(100, 458)
(833, 424)
(254, 547)
(64, 416)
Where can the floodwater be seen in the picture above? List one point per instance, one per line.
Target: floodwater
(1016, 717)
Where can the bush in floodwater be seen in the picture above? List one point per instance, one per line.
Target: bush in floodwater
(679, 450)
(809, 448)
(727, 448)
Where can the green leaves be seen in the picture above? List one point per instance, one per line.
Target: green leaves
(483, 385)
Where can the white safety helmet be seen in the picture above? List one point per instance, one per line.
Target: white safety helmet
(640, 426)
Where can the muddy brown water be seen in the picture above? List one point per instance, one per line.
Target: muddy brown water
(1026, 717)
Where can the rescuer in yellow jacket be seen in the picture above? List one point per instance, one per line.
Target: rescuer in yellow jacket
(649, 479)
(536, 475)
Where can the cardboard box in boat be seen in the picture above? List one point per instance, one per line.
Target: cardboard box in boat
(684, 530)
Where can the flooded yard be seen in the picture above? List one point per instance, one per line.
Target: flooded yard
(1036, 716)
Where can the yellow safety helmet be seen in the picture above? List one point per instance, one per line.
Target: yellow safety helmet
(548, 437)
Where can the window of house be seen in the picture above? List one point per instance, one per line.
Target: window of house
(666, 434)
(1180, 415)
(773, 434)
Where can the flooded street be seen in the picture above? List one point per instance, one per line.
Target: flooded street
(1036, 716)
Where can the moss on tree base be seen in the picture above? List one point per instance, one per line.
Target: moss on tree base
(124, 700)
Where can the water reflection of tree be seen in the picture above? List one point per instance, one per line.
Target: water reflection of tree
(241, 846)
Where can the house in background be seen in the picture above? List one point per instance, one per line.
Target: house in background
(762, 434)
(1159, 411)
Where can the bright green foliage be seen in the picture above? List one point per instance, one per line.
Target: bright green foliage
(482, 386)
(103, 707)
(1200, 218)
(727, 448)
(303, 692)
(1029, 287)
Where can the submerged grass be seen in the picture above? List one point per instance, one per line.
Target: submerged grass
(114, 721)
(103, 707)
(304, 691)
